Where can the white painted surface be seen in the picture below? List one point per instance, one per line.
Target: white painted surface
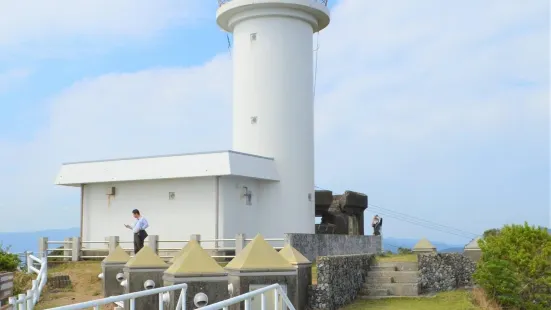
(273, 82)
(168, 167)
(191, 212)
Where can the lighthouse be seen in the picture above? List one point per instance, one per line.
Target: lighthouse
(273, 98)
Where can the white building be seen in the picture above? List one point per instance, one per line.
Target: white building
(266, 185)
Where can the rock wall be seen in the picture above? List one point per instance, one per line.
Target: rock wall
(314, 245)
(340, 278)
(445, 272)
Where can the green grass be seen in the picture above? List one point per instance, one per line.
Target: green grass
(455, 300)
(397, 258)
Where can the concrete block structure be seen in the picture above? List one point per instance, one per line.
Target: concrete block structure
(424, 246)
(304, 274)
(472, 250)
(191, 244)
(207, 280)
(144, 271)
(257, 266)
(112, 272)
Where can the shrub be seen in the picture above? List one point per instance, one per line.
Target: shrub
(515, 268)
(404, 251)
(8, 262)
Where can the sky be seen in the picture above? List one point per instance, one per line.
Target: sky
(437, 110)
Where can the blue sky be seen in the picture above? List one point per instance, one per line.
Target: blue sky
(435, 110)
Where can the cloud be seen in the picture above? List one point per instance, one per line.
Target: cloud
(433, 109)
(39, 28)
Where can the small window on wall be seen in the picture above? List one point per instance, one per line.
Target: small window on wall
(171, 195)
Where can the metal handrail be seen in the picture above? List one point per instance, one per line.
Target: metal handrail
(132, 298)
(247, 297)
(28, 300)
(222, 2)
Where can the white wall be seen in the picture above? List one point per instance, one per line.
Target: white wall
(273, 82)
(191, 212)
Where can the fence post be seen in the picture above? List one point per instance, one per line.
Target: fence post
(76, 247)
(113, 243)
(30, 296)
(29, 261)
(196, 238)
(239, 243)
(43, 247)
(154, 243)
(67, 246)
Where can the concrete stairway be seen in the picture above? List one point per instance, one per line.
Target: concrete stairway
(391, 279)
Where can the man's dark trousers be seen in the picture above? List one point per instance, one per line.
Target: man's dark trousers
(139, 238)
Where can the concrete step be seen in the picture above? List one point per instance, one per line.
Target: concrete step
(399, 266)
(394, 289)
(396, 276)
(382, 268)
(371, 280)
(381, 292)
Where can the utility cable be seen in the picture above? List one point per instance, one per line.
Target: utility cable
(417, 221)
(316, 62)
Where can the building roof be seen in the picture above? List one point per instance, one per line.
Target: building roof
(146, 258)
(424, 244)
(293, 256)
(195, 261)
(473, 245)
(259, 255)
(168, 167)
(117, 256)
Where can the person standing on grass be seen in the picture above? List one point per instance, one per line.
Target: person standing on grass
(139, 228)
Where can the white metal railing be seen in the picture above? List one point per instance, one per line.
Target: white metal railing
(164, 297)
(28, 300)
(168, 247)
(274, 289)
(222, 2)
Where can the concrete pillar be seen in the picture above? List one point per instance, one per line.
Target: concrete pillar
(43, 247)
(239, 243)
(113, 242)
(76, 248)
(153, 241)
(67, 246)
(196, 238)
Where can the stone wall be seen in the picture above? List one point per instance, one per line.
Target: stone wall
(340, 278)
(445, 272)
(314, 245)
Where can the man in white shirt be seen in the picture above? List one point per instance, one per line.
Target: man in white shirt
(138, 229)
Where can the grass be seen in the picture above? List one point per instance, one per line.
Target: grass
(455, 300)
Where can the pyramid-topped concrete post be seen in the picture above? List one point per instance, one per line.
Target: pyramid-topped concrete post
(304, 274)
(257, 266)
(203, 275)
(424, 246)
(184, 250)
(141, 272)
(472, 250)
(112, 272)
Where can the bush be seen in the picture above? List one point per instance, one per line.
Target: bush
(404, 251)
(8, 262)
(515, 268)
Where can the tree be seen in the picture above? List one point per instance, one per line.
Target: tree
(515, 268)
(8, 262)
(490, 232)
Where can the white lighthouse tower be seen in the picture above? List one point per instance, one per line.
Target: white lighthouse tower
(273, 100)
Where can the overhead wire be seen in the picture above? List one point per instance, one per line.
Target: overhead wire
(418, 221)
